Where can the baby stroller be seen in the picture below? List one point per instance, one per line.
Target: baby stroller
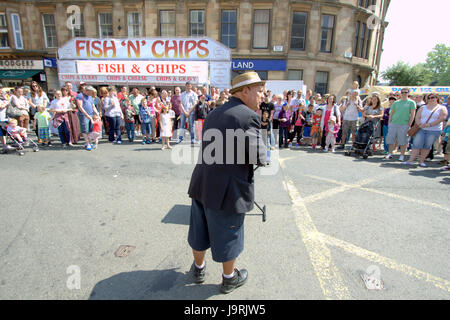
(16, 146)
(364, 140)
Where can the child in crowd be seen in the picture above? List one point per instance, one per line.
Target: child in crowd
(129, 119)
(298, 119)
(41, 121)
(145, 118)
(284, 120)
(315, 129)
(166, 127)
(18, 133)
(309, 114)
(96, 131)
(265, 127)
(331, 131)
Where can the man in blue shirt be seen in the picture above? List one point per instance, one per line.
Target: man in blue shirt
(86, 109)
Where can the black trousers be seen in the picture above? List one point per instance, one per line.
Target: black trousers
(284, 133)
(298, 132)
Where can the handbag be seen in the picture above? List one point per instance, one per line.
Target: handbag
(416, 127)
(12, 111)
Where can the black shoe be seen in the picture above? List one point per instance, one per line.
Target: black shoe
(199, 274)
(239, 279)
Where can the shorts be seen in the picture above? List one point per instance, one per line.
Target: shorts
(86, 125)
(424, 139)
(349, 125)
(92, 136)
(399, 133)
(307, 132)
(315, 133)
(43, 133)
(136, 119)
(221, 231)
(146, 128)
(2, 132)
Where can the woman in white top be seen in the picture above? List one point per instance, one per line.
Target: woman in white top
(59, 107)
(21, 103)
(430, 118)
(113, 114)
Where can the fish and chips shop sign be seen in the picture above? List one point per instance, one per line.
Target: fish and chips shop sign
(164, 61)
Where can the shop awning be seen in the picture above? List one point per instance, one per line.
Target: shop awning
(17, 74)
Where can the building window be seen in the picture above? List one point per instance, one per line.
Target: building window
(355, 50)
(229, 28)
(17, 30)
(321, 82)
(362, 40)
(326, 41)
(134, 24)
(167, 23)
(4, 43)
(49, 30)
(367, 3)
(105, 26)
(78, 29)
(298, 36)
(197, 23)
(261, 29)
(295, 74)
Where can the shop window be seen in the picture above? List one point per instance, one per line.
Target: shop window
(326, 41)
(261, 28)
(134, 24)
(17, 29)
(295, 74)
(167, 23)
(298, 34)
(321, 82)
(4, 43)
(197, 23)
(229, 28)
(78, 29)
(49, 31)
(105, 25)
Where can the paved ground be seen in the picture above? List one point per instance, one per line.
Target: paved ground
(330, 218)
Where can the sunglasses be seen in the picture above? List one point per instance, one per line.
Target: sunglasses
(432, 97)
(405, 92)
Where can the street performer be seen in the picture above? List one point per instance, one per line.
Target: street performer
(222, 189)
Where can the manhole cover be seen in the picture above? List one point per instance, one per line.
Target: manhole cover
(124, 251)
(372, 278)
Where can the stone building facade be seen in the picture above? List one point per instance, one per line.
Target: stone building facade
(326, 43)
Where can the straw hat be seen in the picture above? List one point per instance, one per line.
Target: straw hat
(245, 79)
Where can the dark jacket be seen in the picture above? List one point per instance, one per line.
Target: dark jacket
(226, 183)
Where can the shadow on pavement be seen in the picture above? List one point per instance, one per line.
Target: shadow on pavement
(179, 214)
(152, 285)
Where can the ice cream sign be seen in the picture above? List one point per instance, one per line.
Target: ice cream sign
(145, 48)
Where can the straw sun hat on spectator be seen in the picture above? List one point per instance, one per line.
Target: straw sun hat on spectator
(244, 80)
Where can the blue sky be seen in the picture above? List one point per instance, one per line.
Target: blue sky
(415, 27)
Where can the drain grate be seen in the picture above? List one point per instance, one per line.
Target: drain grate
(124, 251)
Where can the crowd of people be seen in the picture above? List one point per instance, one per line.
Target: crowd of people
(291, 119)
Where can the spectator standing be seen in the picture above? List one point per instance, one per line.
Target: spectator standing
(350, 118)
(401, 118)
(430, 119)
(331, 109)
(374, 114)
(136, 98)
(21, 103)
(59, 107)
(386, 112)
(201, 112)
(36, 97)
(113, 114)
(188, 100)
(175, 101)
(86, 110)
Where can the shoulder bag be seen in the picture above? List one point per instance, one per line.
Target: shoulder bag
(416, 127)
